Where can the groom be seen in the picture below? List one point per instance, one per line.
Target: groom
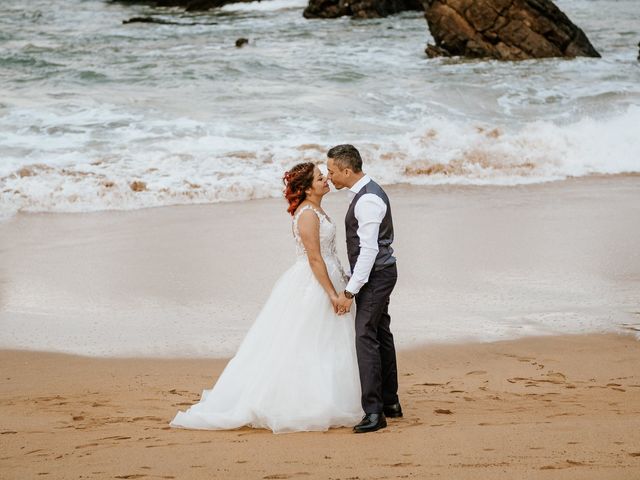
(369, 230)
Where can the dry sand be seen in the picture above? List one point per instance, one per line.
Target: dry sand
(562, 407)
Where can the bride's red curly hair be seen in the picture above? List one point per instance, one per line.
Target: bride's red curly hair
(296, 181)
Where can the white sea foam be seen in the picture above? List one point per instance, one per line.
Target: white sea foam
(264, 6)
(166, 163)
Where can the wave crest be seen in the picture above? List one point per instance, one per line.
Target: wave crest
(194, 169)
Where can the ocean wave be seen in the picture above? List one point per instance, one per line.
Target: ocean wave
(186, 162)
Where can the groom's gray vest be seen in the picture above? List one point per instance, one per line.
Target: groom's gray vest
(385, 234)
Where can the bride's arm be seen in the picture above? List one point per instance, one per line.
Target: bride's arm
(309, 228)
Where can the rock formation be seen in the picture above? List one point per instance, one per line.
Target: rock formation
(359, 8)
(503, 29)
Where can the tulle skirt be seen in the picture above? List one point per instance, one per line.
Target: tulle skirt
(296, 370)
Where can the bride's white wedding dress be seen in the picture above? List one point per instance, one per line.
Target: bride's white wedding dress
(296, 370)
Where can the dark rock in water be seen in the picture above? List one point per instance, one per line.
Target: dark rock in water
(432, 51)
(189, 5)
(327, 9)
(241, 42)
(639, 51)
(149, 20)
(163, 22)
(504, 30)
(359, 8)
(139, 20)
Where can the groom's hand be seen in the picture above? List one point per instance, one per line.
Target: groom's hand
(343, 304)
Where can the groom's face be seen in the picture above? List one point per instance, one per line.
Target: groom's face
(336, 174)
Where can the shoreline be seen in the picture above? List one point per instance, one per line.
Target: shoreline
(562, 407)
(413, 349)
(596, 177)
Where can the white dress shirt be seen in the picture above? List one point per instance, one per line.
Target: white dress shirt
(369, 211)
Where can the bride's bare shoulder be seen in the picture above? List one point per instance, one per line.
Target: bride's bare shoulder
(307, 221)
(305, 209)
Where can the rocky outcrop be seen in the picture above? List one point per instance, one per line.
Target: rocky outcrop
(503, 29)
(358, 8)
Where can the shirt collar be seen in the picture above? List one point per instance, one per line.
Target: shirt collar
(359, 184)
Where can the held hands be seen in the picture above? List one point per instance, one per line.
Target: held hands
(334, 301)
(341, 304)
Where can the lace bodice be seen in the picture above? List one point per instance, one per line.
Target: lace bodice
(327, 235)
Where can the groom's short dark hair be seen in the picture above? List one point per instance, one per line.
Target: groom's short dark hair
(347, 156)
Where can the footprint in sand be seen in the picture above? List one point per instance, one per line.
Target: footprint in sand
(567, 464)
(415, 422)
(155, 419)
(443, 411)
(556, 377)
(552, 377)
(87, 445)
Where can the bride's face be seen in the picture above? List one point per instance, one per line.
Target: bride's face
(320, 185)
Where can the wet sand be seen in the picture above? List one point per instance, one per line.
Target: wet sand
(474, 263)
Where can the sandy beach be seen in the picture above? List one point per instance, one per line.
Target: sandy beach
(143, 229)
(156, 301)
(562, 407)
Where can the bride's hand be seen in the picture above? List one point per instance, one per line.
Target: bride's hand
(334, 301)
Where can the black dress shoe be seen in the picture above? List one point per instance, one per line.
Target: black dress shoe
(370, 423)
(393, 410)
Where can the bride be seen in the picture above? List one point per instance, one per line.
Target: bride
(296, 369)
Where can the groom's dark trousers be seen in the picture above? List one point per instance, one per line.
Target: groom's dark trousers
(374, 341)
